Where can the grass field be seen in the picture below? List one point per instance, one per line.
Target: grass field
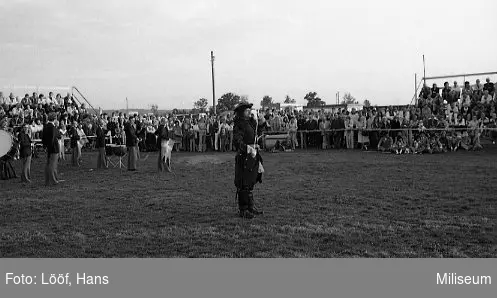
(317, 204)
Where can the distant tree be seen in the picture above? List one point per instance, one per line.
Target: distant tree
(267, 101)
(201, 104)
(349, 99)
(155, 109)
(367, 103)
(288, 99)
(313, 100)
(227, 102)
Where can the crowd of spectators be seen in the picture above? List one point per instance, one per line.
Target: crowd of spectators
(442, 120)
(459, 114)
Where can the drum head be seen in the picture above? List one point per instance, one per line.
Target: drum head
(5, 142)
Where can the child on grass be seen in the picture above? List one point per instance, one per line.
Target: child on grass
(435, 145)
(399, 147)
(385, 143)
(465, 142)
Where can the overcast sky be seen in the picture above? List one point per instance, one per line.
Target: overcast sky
(158, 52)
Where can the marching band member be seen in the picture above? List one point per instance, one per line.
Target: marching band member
(100, 145)
(6, 169)
(131, 143)
(50, 141)
(75, 137)
(25, 152)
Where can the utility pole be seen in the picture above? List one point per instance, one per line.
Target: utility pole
(127, 107)
(213, 85)
(424, 71)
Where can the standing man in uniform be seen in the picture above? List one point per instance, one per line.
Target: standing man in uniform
(131, 143)
(248, 161)
(50, 140)
(100, 145)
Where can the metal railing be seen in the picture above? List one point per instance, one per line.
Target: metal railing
(74, 88)
(303, 133)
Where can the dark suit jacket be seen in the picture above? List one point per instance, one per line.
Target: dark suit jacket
(51, 138)
(100, 139)
(24, 145)
(131, 137)
(73, 132)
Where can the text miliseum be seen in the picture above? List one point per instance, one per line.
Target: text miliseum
(454, 279)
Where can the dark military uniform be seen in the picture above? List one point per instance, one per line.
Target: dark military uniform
(246, 167)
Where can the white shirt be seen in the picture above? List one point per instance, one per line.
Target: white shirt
(28, 112)
(486, 99)
(223, 125)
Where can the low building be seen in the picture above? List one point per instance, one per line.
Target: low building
(292, 107)
(275, 106)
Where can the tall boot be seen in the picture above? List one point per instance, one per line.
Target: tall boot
(251, 205)
(243, 204)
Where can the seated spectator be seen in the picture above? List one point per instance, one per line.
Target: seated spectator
(36, 129)
(385, 143)
(493, 124)
(446, 93)
(490, 87)
(467, 90)
(453, 141)
(444, 140)
(421, 144)
(455, 92)
(465, 142)
(486, 98)
(400, 145)
(465, 111)
(425, 92)
(477, 91)
(435, 146)
(466, 101)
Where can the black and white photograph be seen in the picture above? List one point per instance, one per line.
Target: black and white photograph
(248, 129)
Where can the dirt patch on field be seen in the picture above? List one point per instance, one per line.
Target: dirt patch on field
(195, 160)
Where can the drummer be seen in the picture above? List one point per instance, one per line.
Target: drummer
(6, 169)
(100, 145)
(25, 152)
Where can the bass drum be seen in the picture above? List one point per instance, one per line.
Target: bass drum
(8, 148)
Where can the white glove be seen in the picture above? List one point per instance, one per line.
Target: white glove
(251, 150)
